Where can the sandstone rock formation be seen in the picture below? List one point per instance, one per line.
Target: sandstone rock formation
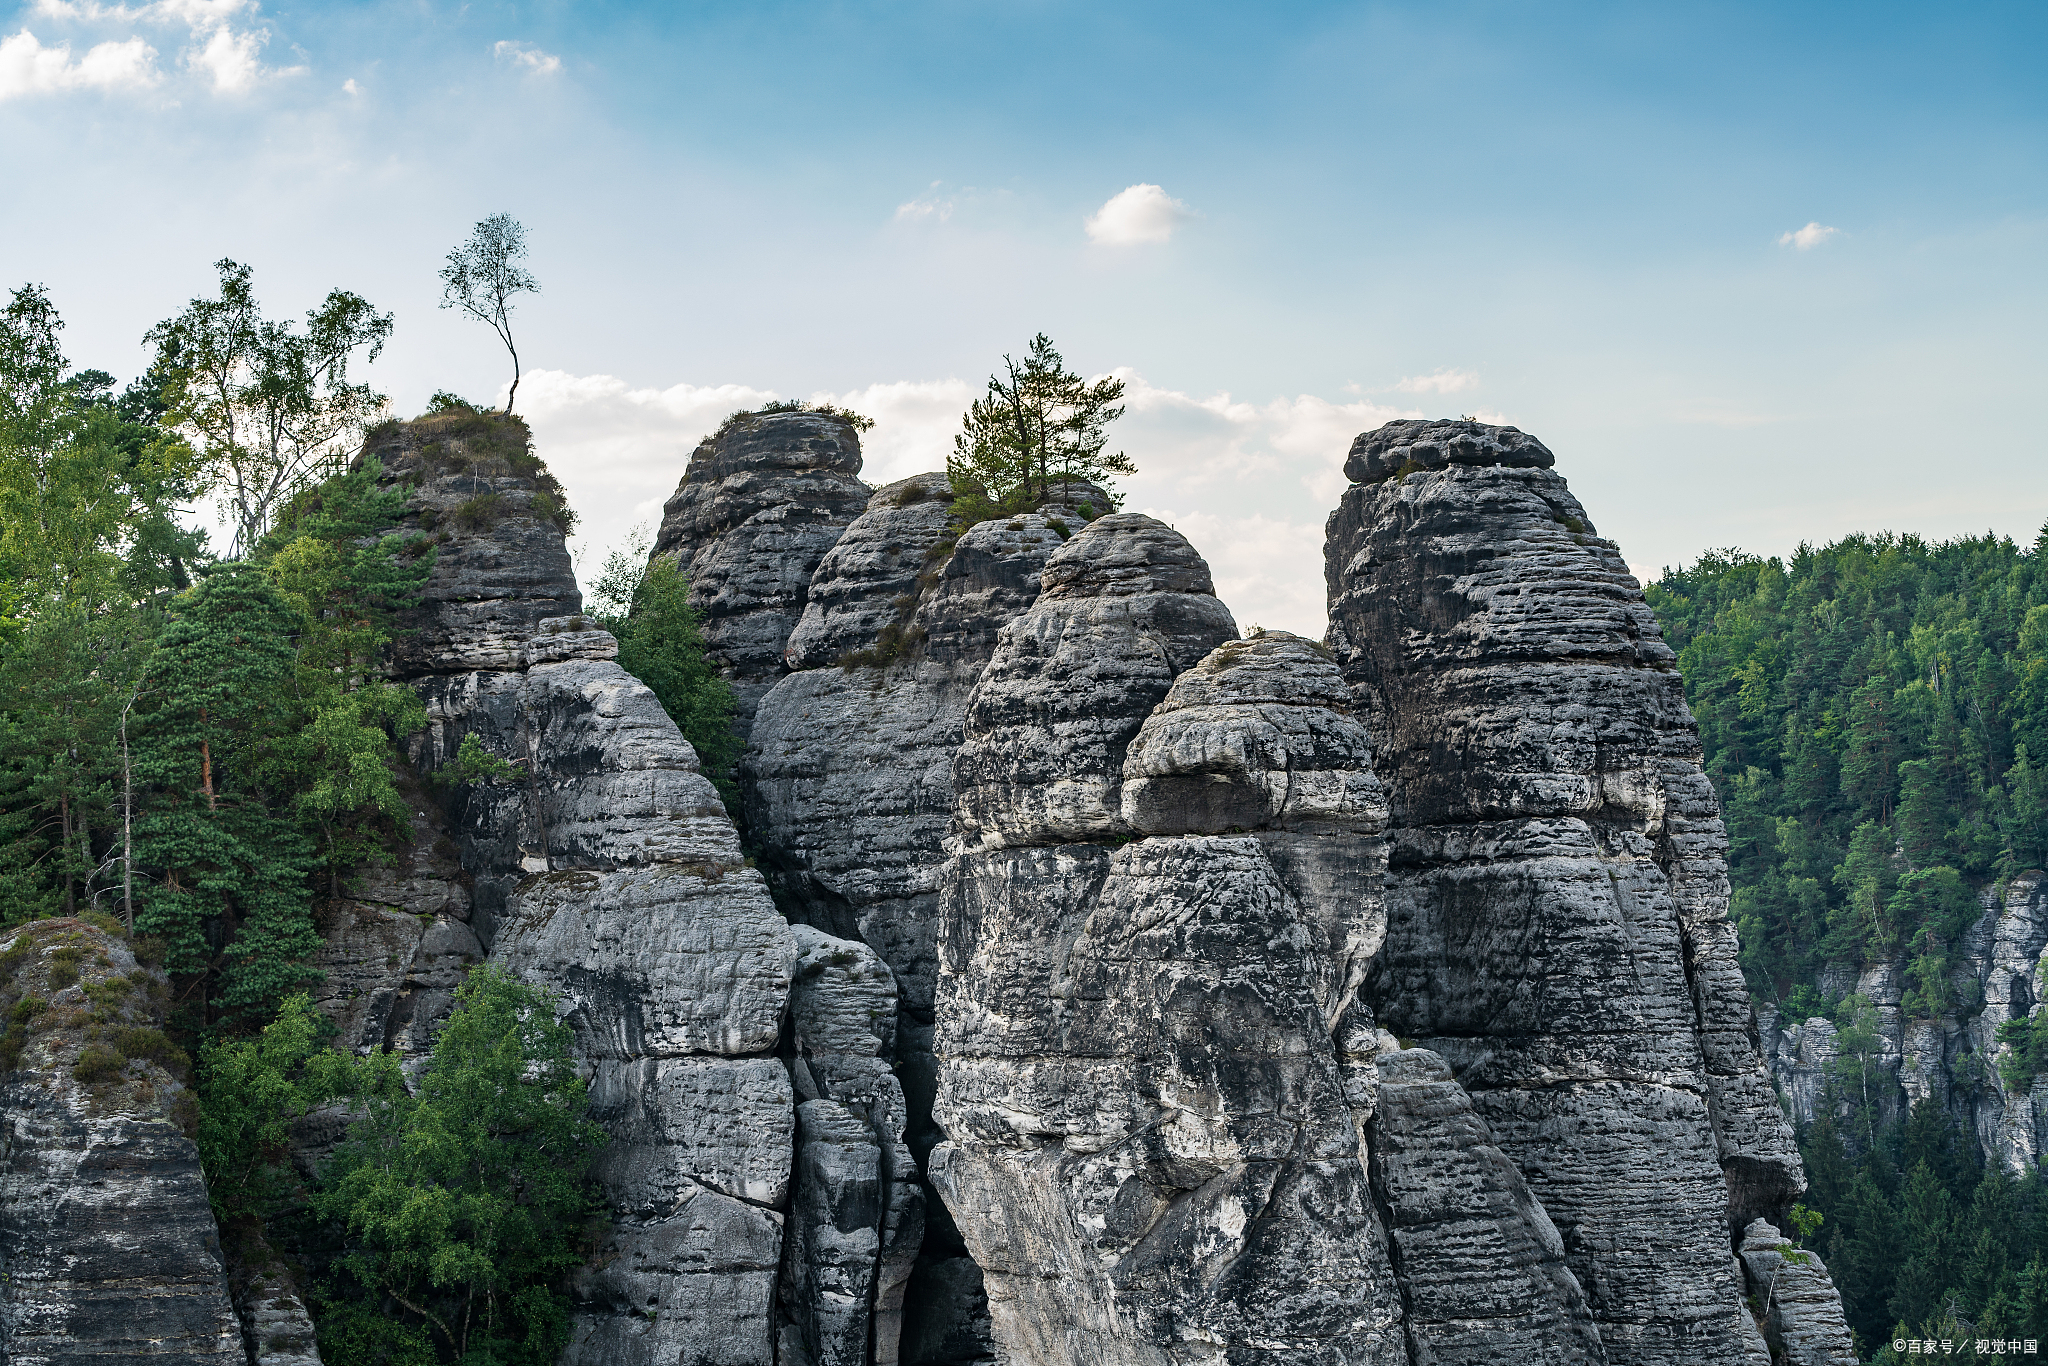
(603, 866)
(108, 1250)
(1802, 1311)
(1114, 930)
(763, 500)
(848, 785)
(1556, 895)
(1148, 1047)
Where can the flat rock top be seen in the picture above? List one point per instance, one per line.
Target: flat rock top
(1386, 450)
(1272, 667)
(1121, 555)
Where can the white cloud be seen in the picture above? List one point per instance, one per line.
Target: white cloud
(929, 205)
(1142, 213)
(349, 87)
(1445, 381)
(201, 15)
(29, 68)
(230, 59)
(532, 58)
(1808, 237)
(1249, 483)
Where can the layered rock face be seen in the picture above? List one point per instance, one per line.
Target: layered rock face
(848, 786)
(1556, 894)
(1953, 1061)
(108, 1250)
(1152, 1068)
(602, 865)
(762, 502)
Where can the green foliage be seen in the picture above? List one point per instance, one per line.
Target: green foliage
(1805, 1222)
(475, 764)
(733, 421)
(480, 279)
(464, 1198)
(647, 606)
(270, 407)
(1868, 710)
(252, 1089)
(2028, 1057)
(1039, 428)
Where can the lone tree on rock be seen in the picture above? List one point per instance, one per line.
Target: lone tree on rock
(480, 279)
(1039, 429)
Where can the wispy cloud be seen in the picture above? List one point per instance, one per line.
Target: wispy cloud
(1808, 237)
(29, 68)
(931, 206)
(1138, 215)
(1445, 381)
(526, 55)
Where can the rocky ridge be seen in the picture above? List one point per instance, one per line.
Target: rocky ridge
(1112, 989)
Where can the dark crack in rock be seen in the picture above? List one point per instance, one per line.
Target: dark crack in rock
(857, 1212)
(761, 503)
(1557, 893)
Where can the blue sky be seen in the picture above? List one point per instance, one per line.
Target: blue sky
(1581, 219)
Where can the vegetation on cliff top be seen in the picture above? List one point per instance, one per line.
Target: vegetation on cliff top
(1038, 430)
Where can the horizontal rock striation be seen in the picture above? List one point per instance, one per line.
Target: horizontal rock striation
(108, 1250)
(848, 787)
(1557, 891)
(763, 500)
(1153, 1074)
(1801, 1309)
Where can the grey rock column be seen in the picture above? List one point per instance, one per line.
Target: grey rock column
(1556, 900)
(108, 1249)
(1149, 1065)
(1802, 1310)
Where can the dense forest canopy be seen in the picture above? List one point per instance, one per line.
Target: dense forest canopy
(1875, 718)
(1874, 715)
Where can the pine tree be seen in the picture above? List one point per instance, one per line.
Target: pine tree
(1038, 431)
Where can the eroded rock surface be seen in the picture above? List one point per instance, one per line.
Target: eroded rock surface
(1802, 1310)
(108, 1250)
(761, 503)
(1152, 1072)
(1482, 1268)
(1557, 891)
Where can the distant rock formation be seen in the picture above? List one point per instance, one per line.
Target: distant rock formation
(1953, 1061)
(108, 1250)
